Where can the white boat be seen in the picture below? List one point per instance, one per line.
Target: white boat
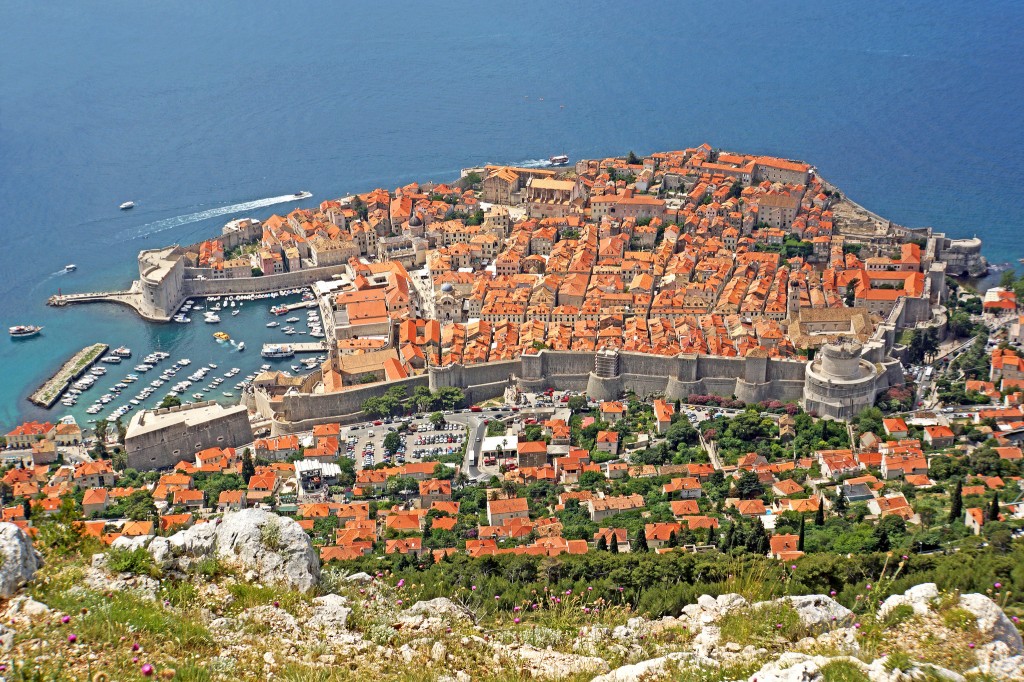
(127, 205)
(273, 324)
(112, 359)
(241, 345)
(235, 312)
(229, 394)
(277, 351)
(70, 267)
(211, 318)
(22, 331)
(292, 319)
(559, 160)
(122, 352)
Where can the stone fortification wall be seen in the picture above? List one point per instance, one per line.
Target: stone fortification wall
(303, 406)
(165, 447)
(259, 285)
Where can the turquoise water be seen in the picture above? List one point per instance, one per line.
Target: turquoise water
(188, 108)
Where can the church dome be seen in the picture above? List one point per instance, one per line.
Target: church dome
(447, 287)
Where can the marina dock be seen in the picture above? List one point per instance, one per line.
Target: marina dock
(51, 391)
(316, 347)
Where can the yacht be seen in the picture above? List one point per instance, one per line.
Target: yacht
(289, 332)
(241, 345)
(559, 160)
(112, 359)
(292, 320)
(273, 324)
(122, 352)
(22, 331)
(277, 351)
(211, 318)
(127, 205)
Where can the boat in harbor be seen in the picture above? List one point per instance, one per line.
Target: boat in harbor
(279, 310)
(211, 318)
(127, 205)
(112, 359)
(559, 160)
(122, 352)
(273, 324)
(221, 336)
(70, 267)
(277, 351)
(23, 331)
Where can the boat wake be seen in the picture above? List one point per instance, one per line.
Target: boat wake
(150, 229)
(532, 163)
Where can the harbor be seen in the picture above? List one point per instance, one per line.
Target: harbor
(50, 392)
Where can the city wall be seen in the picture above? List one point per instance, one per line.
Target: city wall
(255, 285)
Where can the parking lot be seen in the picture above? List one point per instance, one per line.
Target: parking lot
(364, 443)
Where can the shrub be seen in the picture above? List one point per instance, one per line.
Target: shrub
(959, 619)
(842, 671)
(761, 625)
(270, 534)
(137, 561)
(901, 613)
(898, 660)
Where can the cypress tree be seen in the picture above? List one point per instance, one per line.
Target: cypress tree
(819, 516)
(757, 538)
(956, 504)
(26, 505)
(993, 510)
(602, 544)
(613, 546)
(800, 541)
(841, 503)
(730, 537)
(673, 541)
(641, 541)
(248, 467)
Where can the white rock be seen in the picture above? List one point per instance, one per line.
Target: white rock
(434, 613)
(24, 607)
(438, 652)
(20, 559)
(268, 658)
(131, 543)
(6, 638)
(728, 602)
(707, 603)
(551, 664)
(240, 540)
(817, 610)
(359, 578)
(330, 613)
(652, 669)
(992, 622)
(918, 597)
(276, 620)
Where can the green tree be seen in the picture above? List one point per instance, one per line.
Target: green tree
(577, 403)
(993, 509)
(749, 486)
(757, 538)
(641, 541)
(819, 515)
(248, 467)
(392, 442)
(602, 544)
(800, 540)
(436, 419)
(956, 504)
(170, 401)
(632, 159)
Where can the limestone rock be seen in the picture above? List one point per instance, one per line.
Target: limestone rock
(266, 547)
(653, 669)
(918, 597)
(992, 622)
(549, 664)
(817, 611)
(25, 609)
(434, 613)
(20, 559)
(131, 543)
(359, 578)
(6, 638)
(330, 613)
(276, 620)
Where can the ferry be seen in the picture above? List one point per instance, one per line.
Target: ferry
(23, 331)
(277, 351)
(221, 336)
(279, 310)
(127, 205)
(559, 160)
(122, 352)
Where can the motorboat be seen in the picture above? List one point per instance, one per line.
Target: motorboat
(277, 351)
(127, 205)
(292, 320)
(122, 352)
(23, 331)
(241, 345)
(112, 359)
(273, 324)
(211, 318)
(558, 160)
(70, 267)
(235, 312)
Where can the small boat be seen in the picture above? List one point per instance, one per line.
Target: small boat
(127, 205)
(70, 267)
(273, 324)
(235, 312)
(211, 318)
(228, 394)
(279, 310)
(221, 336)
(241, 345)
(559, 160)
(292, 319)
(122, 352)
(112, 359)
(23, 331)
(276, 351)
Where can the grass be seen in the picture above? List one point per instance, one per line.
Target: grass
(842, 671)
(762, 626)
(957, 618)
(246, 596)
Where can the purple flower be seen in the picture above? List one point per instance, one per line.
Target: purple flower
(998, 585)
(793, 567)
(778, 626)
(857, 625)
(590, 589)
(399, 602)
(401, 583)
(497, 597)
(971, 645)
(65, 619)
(1015, 619)
(473, 588)
(621, 588)
(568, 592)
(832, 593)
(277, 604)
(516, 621)
(558, 600)
(905, 557)
(135, 646)
(147, 670)
(869, 586)
(72, 638)
(135, 659)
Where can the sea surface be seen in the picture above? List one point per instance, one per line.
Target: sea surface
(203, 112)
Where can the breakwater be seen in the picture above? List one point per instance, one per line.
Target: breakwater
(54, 387)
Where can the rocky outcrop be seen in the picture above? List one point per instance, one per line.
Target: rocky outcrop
(992, 622)
(330, 614)
(433, 614)
(266, 547)
(20, 560)
(817, 611)
(918, 597)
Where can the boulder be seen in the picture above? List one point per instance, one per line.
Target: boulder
(264, 546)
(548, 664)
(818, 611)
(330, 614)
(918, 597)
(131, 543)
(275, 620)
(359, 578)
(20, 560)
(992, 622)
(434, 613)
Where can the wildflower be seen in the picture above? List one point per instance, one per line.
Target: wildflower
(147, 670)
(971, 645)
(904, 557)
(276, 604)
(535, 607)
(778, 626)
(399, 602)
(856, 625)
(590, 589)
(516, 609)
(792, 567)
(65, 619)
(621, 589)
(998, 585)
(832, 593)
(516, 621)
(568, 592)
(586, 609)
(72, 638)
(558, 600)
(858, 598)
(135, 646)
(135, 659)
(473, 588)
(869, 586)
(401, 583)
(1015, 619)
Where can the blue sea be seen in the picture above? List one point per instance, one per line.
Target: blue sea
(191, 108)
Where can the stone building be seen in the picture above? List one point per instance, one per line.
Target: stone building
(159, 439)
